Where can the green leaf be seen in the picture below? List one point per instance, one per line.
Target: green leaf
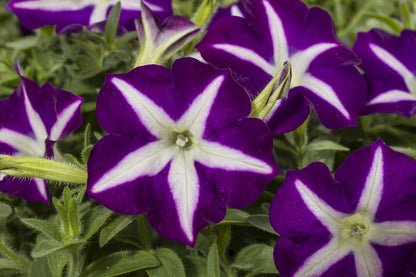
(197, 267)
(57, 262)
(86, 153)
(73, 218)
(62, 215)
(121, 263)
(46, 247)
(224, 236)
(6, 264)
(23, 43)
(262, 222)
(392, 23)
(256, 257)
(323, 145)
(213, 263)
(94, 220)
(40, 267)
(112, 23)
(234, 216)
(171, 265)
(125, 38)
(5, 210)
(45, 227)
(112, 229)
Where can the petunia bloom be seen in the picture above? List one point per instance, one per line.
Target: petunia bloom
(361, 222)
(32, 119)
(34, 14)
(180, 147)
(275, 31)
(389, 65)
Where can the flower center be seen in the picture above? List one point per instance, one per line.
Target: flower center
(183, 139)
(354, 228)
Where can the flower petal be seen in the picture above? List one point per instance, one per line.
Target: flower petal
(31, 189)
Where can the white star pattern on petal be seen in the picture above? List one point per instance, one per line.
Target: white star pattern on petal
(346, 240)
(179, 143)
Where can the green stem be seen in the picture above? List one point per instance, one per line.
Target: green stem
(74, 269)
(13, 256)
(143, 233)
(355, 19)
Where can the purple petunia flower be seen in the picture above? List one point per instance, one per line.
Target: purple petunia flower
(360, 223)
(180, 147)
(32, 119)
(275, 31)
(38, 13)
(389, 65)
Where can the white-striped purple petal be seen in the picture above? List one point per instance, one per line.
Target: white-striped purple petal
(32, 119)
(366, 211)
(176, 137)
(38, 13)
(256, 49)
(388, 64)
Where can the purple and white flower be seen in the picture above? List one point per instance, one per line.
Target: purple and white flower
(32, 119)
(389, 65)
(275, 31)
(180, 147)
(360, 223)
(38, 13)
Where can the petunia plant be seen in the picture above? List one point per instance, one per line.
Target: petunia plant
(34, 14)
(389, 70)
(273, 32)
(32, 120)
(361, 222)
(181, 147)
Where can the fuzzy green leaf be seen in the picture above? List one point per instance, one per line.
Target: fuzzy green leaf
(234, 216)
(323, 145)
(40, 267)
(256, 257)
(112, 229)
(213, 263)
(120, 263)
(45, 227)
(94, 220)
(57, 262)
(170, 264)
(6, 264)
(112, 23)
(46, 247)
(5, 210)
(262, 222)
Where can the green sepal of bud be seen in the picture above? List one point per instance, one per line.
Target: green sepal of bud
(42, 168)
(205, 12)
(277, 88)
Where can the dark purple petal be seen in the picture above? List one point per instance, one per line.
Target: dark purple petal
(390, 74)
(397, 259)
(30, 189)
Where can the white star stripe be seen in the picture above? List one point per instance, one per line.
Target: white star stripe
(373, 188)
(62, 120)
(392, 233)
(184, 185)
(148, 160)
(301, 60)
(325, 92)
(34, 118)
(22, 143)
(215, 155)
(247, 55)
(41, 185)
(277, 34)
(397, 66)
(98, 14)
(323, 259)
(329, 217)
(367, 262)
(194, 119)
(149, 113)
(392, 96)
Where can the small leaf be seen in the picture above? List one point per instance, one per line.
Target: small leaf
(73, 218)
(321, 145)
(197, 267)
(234, 216)
(224, 236)
(120, 263)
(112, 229)
(40, 267)
(256, 257)
(171, 265)
(5, 210)
(6, 264)
(94, 220)
(112, 23)
(57, 262)
(46, 247)
(23, 43)
(45, 227)
(86, 153)
(262, 222)
(213, 263)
